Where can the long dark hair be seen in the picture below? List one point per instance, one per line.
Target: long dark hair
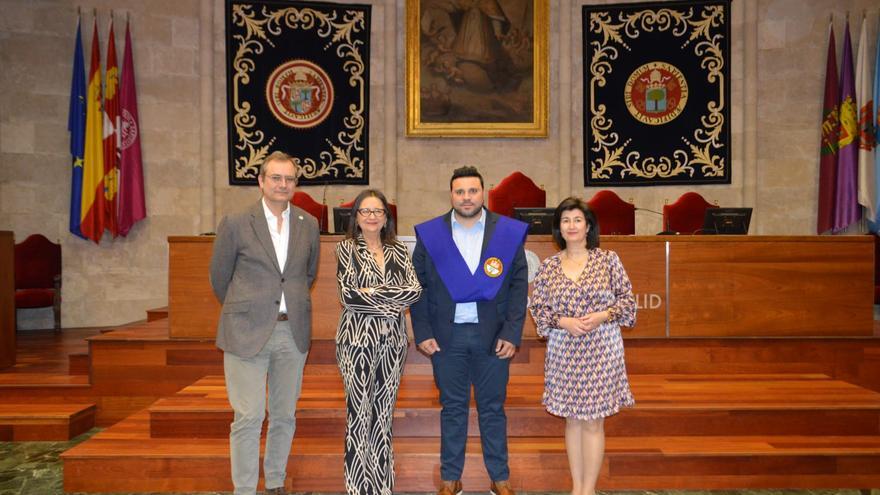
(573, 203)
(388, 234)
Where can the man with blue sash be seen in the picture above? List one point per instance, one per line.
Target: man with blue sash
(472, 267)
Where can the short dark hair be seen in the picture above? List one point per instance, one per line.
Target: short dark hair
(466, 171)
(573, 203)
(388, 234)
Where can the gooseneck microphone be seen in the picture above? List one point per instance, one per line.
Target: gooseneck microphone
(666, 230)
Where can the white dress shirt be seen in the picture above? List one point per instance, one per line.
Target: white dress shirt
(279, 240)
(470, 245)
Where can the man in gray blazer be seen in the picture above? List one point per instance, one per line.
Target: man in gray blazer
(264, 262)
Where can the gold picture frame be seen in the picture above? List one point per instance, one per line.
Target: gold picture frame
(477, 68)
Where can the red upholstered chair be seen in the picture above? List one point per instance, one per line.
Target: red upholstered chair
(516, 191)
(615, 215)
(391, 206)
(38, 275)
(314, 208)
(685, 216)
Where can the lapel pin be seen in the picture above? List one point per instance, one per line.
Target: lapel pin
(300, 217)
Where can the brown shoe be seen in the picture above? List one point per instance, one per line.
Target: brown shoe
(276, 491)
(501, 488)
(450, 487)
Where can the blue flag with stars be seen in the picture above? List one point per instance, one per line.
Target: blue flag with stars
(76, 124)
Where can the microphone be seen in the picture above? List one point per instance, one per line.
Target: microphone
(666, 230)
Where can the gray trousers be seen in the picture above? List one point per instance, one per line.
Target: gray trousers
(246, 380)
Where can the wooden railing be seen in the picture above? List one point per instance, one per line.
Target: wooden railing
(686, 286)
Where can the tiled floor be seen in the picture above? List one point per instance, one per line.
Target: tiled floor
(34, 468)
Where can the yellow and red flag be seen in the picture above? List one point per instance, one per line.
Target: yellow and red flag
(93, 199)
(111, 135)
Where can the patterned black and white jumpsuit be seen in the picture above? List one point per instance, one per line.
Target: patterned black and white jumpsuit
(371, 345)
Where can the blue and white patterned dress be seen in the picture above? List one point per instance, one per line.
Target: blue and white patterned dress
(584, 377)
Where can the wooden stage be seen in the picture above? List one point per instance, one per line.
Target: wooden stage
(717, 408)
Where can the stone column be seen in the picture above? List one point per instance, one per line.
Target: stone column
(749, 189)
(206, 116)
(390, 97)
(567, 177)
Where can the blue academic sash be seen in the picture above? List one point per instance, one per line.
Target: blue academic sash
(495, 261)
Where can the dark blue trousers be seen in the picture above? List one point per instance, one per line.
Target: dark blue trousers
(461, 363)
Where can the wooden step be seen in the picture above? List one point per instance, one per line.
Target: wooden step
(140, 463)
(78, 364)
(803, 404)
(33, 422)
(157, 313)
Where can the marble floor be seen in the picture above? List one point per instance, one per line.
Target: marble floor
(34, 468)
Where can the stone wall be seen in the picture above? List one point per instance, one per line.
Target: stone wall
(777, 70)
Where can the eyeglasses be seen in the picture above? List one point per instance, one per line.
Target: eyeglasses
(365, 212)
(279, 179)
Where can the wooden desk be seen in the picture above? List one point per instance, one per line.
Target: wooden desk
(685, 286)
(771, 285)
(7, 299)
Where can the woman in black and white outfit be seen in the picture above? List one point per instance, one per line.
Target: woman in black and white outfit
(377, 283)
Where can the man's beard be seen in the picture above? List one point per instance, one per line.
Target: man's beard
(463, 214)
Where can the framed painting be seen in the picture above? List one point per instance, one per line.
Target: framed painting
(477, 68)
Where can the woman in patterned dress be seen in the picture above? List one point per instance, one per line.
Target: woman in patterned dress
(377, 283)
(580, 299)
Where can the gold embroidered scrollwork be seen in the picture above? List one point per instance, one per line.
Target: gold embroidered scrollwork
(259, 29)
(697, 152)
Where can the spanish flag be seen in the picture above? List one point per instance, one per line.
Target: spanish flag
(93, 200)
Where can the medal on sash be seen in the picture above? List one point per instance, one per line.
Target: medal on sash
(493, 267)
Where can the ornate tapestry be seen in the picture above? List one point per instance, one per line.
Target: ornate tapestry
(657, 93)
(297, 79)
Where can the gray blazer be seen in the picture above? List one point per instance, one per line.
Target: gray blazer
(248, 282)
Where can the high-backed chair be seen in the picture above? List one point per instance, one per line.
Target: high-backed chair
(317, 210)
(38, 275)
(391, 206)
(515, 191)
(686, 215)
(615, 216)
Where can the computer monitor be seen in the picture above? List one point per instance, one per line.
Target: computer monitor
(540, 220)
(341, 217)
(729, 221)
